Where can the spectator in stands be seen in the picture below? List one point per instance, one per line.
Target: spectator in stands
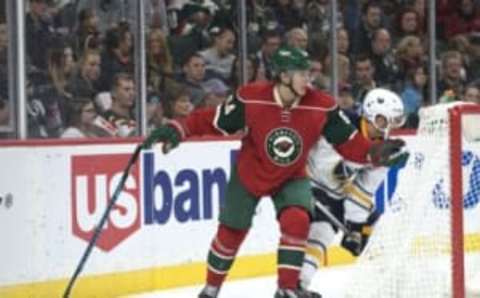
(371, 21)
(408, 23)
(344, 73)
(35, 110)
(111, 12)
(54, 95)
(254, 72)
(317, 77)
(352, 14)
(216, 92)
(120, 114)
(390, 10)
(60, 65)
(473, 67)
(345, 99)
(189, 16)
(178, 103)
(87, 33)
(155, 112)
(443, 11)
(343, 42)
(65, 16)
(286, 14)
(193, 76)
(84, 82)
(364, 73)
(420, 7)
(49, 90)
(317, 21)
(452, 77)
(414, 94)
(464, 20)
(38, 33)
(117, 55)
(297, 38)
(472, 93)
(189, 34)
(70, 62)
(468, 47)
(159, 61)
(219, 57)
(271, 41)
(383, 59)
(83, 121)
(409, 55)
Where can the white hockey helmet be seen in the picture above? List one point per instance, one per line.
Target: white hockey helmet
(384, 103)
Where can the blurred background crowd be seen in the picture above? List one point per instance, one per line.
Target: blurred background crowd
(80, 78)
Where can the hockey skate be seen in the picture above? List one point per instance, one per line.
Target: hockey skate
(296, 293)
(209, 292)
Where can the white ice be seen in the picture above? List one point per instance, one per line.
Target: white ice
(329, 282)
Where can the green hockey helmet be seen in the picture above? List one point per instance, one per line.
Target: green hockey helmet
(289, 58)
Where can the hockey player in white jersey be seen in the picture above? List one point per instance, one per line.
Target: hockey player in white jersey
(346, 189)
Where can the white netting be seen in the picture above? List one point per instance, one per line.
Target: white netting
(409, 251)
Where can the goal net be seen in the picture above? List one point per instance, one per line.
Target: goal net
(427, 243)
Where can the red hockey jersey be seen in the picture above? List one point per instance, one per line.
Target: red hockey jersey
(277, 140)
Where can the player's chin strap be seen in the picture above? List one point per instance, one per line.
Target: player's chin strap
(386, 133)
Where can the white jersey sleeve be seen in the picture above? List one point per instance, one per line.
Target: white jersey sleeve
(360, 194)
(321, 163)
(357, 193)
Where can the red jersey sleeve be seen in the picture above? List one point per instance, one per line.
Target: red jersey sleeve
(355, 148)
(199, 123)
(227, 118)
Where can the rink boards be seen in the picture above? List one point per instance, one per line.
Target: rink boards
(157, 236)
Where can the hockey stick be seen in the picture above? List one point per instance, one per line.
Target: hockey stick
(332, 218)
(99, 227)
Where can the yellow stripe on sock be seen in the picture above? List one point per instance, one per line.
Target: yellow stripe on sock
(317, 254)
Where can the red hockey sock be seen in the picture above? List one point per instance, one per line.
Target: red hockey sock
(222, 253)
(294, 225)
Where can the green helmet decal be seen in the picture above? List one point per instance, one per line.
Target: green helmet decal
(290, 58)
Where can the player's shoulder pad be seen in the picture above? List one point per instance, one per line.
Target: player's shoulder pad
(354, 117)
(317, 100)
(257, 92)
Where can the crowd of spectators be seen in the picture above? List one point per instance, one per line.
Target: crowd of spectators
(80, 56)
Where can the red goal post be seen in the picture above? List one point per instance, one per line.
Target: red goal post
(470, 129)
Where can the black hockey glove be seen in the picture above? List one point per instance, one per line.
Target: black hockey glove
(357, 239)
(388, 153)
(354, 242)
(167, 134)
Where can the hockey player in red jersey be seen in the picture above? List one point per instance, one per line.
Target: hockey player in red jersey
(281, 121)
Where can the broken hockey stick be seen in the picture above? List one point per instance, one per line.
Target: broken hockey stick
(99, 227)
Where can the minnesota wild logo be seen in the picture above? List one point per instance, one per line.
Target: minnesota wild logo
(283, 146)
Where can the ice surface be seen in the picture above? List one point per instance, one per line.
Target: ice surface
(329, 282)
